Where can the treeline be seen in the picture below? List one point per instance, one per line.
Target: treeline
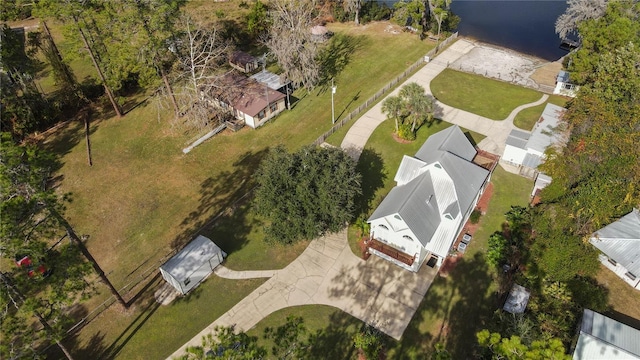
(595, 182)
(146, 45)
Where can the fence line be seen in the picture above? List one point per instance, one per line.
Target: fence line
(339, 124)
(385, 89)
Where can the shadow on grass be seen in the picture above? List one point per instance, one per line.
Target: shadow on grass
(371, 166)
(336, 56)
(453, 310)
(336, 340)
(222, 203)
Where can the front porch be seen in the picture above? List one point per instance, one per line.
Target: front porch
(391, 252)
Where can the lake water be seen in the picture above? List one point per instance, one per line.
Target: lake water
(524, 26)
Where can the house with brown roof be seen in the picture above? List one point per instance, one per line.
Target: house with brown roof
(250, 101)
(243, 61)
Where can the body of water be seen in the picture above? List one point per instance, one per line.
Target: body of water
(524, 26)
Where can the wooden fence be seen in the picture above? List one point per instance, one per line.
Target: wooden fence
(152, 269)
(391, 85)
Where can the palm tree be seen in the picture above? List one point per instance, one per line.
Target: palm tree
(419, 105)
(393, 106)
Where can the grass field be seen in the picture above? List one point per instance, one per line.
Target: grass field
(483, 96)
(143, 197)
(528, 117)
(455, 307)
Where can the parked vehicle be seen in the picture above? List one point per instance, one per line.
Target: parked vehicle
(23, 261)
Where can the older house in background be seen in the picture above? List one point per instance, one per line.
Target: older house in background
(436, 191)
(619, 244)
(602, 338)
(242, 61)
(248, 100)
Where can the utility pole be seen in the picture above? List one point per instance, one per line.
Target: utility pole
(333, 91)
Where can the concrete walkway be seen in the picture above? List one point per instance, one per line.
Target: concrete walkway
(496, 131)
(328, 273)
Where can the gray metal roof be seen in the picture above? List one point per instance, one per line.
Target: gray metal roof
(451, 140)
(197, 253)
(518, 138)
(410, 167)
(563, 76)
(517, 300)
(604, 338)
(531, 160)
(272, 80)
(416, 201)
(620, 241)
(543, 134)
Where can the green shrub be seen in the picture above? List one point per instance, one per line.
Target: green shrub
(404, 132)
(474, 218)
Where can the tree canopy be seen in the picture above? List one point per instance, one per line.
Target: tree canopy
(29, 227)
(307, 193)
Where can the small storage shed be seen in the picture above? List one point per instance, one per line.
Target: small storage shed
(517, 300)
(185, 270)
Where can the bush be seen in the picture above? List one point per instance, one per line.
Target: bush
(404, 132)
(474, 218)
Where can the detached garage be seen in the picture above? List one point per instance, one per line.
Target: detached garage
(185, 270)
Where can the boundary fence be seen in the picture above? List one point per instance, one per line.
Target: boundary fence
(372, 100)
(144, 275)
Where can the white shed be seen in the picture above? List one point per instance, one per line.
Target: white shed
(186, 269)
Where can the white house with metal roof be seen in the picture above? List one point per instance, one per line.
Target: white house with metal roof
(619, 244)
(526, 149)
(435, 192)
(602, 338)
(564, 86)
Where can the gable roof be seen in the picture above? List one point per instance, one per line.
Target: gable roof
(620, 241)
(424, 192)
(241, 58)
(246, 94)
(197, 253)
(450, 140)
(604, 338)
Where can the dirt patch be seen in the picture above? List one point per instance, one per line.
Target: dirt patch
(401, 140)
(508, 65)
(546, 74)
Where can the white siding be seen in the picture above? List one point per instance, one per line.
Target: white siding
(514, 155)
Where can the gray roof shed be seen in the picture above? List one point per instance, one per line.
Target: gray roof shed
(620, 241)
(604, 338)
(186, 269)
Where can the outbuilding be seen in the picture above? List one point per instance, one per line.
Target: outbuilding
(188, 268)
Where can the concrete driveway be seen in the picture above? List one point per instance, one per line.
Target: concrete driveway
(328, 273)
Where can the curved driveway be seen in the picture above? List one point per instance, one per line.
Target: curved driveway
(327, 272)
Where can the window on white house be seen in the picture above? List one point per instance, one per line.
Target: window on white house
(261, 114)
(383, 226)
(630, 276)
(448, 216)
(187, 281)
(273, 107)
(407, 237)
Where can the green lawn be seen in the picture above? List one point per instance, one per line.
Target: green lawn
(143, 197)
(482, 96)
(528, 117)
(332, 330)
(454, 308)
